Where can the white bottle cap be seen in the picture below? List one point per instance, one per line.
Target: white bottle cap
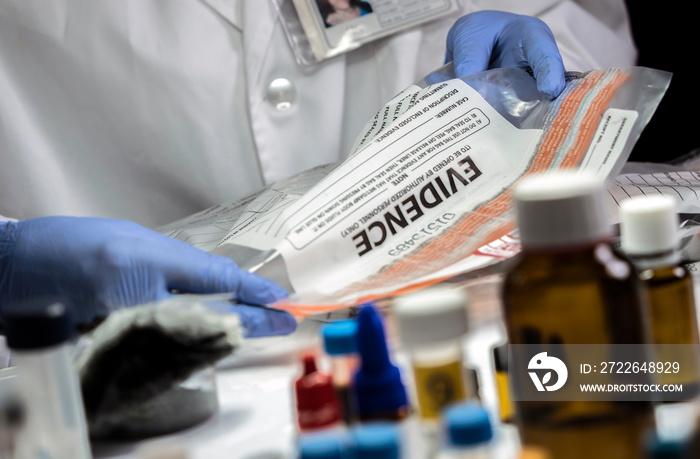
(648, 224)
(431, 315)
(561, 209)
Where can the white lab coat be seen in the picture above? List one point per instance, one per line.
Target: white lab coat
(152, 110)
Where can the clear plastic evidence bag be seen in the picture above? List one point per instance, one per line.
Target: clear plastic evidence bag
(426, 191)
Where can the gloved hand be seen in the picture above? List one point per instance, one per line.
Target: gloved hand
(493, 39)
(99, 265)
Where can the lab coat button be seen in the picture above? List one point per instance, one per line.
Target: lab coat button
(281, 94)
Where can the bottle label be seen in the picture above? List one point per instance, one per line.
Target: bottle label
(438, 386)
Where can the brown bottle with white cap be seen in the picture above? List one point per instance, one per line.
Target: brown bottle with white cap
(649, 236)
(568, 287)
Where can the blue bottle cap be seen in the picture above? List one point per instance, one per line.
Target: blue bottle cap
(325, 446)
(467, 424)
(377, 440)
(668, 448)
(340, 337)
(378, 385)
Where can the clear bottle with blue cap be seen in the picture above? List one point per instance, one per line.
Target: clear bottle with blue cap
(327, 445)
(377, 440)
(39, 334)
(340, 344)
(468, 432)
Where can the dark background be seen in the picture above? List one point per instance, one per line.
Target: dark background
(666, 35)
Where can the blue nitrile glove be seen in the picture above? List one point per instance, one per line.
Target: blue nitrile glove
(99, 265)
(493, 39)
(260, 321)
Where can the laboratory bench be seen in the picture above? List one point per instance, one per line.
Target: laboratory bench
(256, 416)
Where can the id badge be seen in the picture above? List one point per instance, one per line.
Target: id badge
(321, 29)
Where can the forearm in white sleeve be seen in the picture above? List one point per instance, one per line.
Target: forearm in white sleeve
(589, 38)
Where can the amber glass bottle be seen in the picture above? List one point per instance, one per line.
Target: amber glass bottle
(569, 287)
(500, 363)
(649, 236)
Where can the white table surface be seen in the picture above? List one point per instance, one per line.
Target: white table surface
(256, 416)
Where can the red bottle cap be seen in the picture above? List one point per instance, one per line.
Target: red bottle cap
(317, 405)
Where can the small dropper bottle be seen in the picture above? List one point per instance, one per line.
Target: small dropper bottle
(379, 390)
(469, 432)
(649, 236)
(39, 334)
(340, 344)
(432, 324)
(317, 407)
